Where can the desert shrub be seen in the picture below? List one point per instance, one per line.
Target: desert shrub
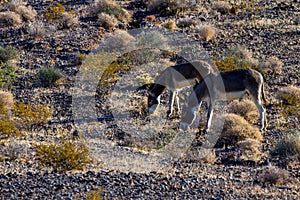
(29, 116)
(110, 7)
(272, 65)
(274, 176)
(144, 79)
(64, 156)
(12, 151)
(170, 7)
(221, 6)
(54, 12)
(237, 58)
(37, 29)
(245, 108)
(249, 149)
(48, 76)
(170, 25)
(107, 21)
(95, 194)
(68, 20)
(186, 22)
(26, 12)
(201, 155)
(7, 53)
(290, 100)
(9, 18)
(6, 100)
(7, 75)
(236, 129)
(205, 32)
(8, 128)
(289, 145)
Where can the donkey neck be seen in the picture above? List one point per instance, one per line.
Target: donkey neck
(157, 89)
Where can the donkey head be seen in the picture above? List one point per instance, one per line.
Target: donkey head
(153, 102)
(188, 117)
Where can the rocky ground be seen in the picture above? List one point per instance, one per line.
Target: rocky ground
(271, 29)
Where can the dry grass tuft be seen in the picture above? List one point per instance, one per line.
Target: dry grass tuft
(202, 155)
(205, 32)
(112, 8)
(249, 149)
(245, 108)
(187, 22)
(107, 21)
(274, 176)
(221, 6)
(6, 99)
(170, 25)
(272, 65)
(26, 12)
(236, 129)
(289, 145)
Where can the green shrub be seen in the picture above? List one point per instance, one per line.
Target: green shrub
(289, 145)
(48, 76)
(7, 75)
(7, 53)
(64, 156)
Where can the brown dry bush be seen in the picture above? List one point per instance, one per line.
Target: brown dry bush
(221, 6)
(26, 12)
(202, 155)
(107, 21)
(236, 129)
(6, 100)
(249, 149)
(289, 145)
(272, 65)
(9, 18)
(246, 109)
(205, 32)
(274, 176)
(68, 20)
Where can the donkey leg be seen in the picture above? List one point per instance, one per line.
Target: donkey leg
(262, 113)
(171, 103)
(209, 115)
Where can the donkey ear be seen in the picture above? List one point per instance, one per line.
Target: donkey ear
(148, 87)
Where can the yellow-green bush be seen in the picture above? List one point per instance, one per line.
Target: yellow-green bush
(290, 100)
(95, 194)
(237, 58)
(64, 156)
(8, 129)
(29, 116)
